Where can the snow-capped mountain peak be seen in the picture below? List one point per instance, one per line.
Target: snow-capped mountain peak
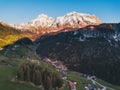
(46, 24)
(83, 17)
(42, 15)
(76, 20)
(42, 20)
(76, 13)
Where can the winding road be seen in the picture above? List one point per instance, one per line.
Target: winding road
(104, 87)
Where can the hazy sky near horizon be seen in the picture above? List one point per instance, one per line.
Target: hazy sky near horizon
(19, 11)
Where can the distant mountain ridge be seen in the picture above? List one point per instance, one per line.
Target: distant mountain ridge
(44, 24)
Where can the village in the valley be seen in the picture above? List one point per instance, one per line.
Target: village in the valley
(64, 71)
(72, 84)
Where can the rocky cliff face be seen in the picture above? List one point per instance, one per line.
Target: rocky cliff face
(44, 24)
(75, 20)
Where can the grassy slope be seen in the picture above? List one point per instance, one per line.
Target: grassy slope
(108, 84)
(80, 81)
(9, 64)
(8, 67)
(7, 73)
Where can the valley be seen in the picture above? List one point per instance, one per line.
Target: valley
(9, 65)
(64, 53)
(87, 51)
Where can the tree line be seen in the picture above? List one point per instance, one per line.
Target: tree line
(35, 73)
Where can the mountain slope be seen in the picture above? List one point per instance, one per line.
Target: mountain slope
(8, 34)
(89, 50)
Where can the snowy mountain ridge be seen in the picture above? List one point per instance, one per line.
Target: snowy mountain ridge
(46, 24)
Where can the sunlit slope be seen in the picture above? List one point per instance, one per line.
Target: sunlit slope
(8, 35)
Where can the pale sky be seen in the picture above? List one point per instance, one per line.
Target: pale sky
(20, 11)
